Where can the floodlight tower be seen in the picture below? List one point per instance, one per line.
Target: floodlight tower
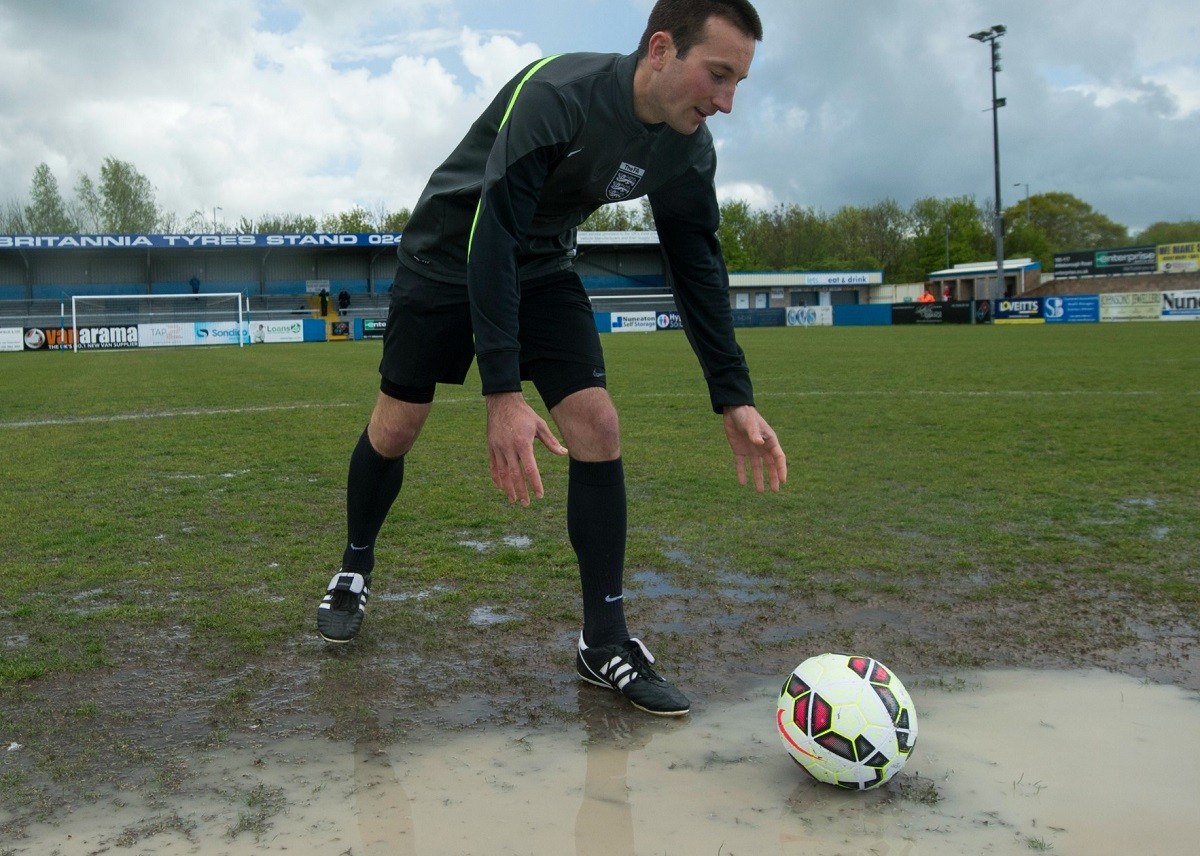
(992, 38)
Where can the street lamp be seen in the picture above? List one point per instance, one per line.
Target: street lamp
(215, 210)
(992, 37)
(1028, 210)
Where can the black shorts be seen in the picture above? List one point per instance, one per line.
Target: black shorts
(428, 338)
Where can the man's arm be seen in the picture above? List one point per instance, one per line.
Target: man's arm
(522, 156)
(687, 216)
(531, 139)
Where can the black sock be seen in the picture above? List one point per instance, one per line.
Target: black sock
(596, 525)
(372, 485)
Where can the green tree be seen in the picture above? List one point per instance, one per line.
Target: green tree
(46, 213)
(1183, 232)
(354, 221)
(89, 211)
(788, 237)
(395, 221)
(280, 224)
(12, 219)
(126, 198)
(737, 221)
(945, 232)
(621, 217)
(1025, 239)
(122, 202)
(874, 236)
(1069, 223)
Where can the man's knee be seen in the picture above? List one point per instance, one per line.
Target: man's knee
(590, 425)
(395, 425)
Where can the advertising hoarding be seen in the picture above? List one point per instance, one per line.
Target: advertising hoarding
(1022, 310)
(810, 316)
(1115, 262)
(634, 322)
(1181, 305)
(12, 338)
(1071, 309)
(1179, 258)
(1134, 306)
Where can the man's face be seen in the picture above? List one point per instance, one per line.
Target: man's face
(686, 91)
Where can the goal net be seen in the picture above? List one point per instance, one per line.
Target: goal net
(158, 320)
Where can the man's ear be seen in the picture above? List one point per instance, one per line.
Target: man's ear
(661, 49)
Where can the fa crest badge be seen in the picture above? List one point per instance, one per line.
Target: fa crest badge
(623, 183)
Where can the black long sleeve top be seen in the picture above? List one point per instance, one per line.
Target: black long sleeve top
(557, 142)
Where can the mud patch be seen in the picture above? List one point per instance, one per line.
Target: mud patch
(1008, 761)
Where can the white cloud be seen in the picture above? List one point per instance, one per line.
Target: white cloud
(302, 106)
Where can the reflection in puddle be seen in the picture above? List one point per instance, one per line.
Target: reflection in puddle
(485, 616)
(1008, 762)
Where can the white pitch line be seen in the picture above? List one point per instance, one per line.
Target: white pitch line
(964, 393)
(761, 393)
(163, 414)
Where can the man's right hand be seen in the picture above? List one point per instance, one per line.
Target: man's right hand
(512, 426)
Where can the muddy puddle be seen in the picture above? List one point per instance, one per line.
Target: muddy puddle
(1007, 762)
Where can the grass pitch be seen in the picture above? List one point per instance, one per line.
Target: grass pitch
(194, 497)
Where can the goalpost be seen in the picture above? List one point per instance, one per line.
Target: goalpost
(158, 320)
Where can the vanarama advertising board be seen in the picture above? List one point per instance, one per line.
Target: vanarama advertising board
(105, 338)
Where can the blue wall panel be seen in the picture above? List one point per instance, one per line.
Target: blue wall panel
(862, 315)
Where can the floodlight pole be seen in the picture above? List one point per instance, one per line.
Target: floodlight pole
(991, 37)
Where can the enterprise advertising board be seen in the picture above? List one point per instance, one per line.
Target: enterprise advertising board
(1117, 262)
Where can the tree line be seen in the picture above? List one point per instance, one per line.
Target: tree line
(905, 243)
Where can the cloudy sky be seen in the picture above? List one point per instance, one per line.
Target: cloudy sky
(260, 107)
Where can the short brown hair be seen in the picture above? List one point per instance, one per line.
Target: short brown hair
(685, 20)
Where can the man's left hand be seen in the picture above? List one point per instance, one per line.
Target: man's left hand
(751, 438)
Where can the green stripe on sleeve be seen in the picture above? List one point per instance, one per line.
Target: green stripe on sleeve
(504, 121)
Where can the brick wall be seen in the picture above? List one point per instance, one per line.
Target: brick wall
(1118, 284)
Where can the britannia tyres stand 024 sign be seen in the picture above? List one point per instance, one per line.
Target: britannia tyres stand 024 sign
(105, 242)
